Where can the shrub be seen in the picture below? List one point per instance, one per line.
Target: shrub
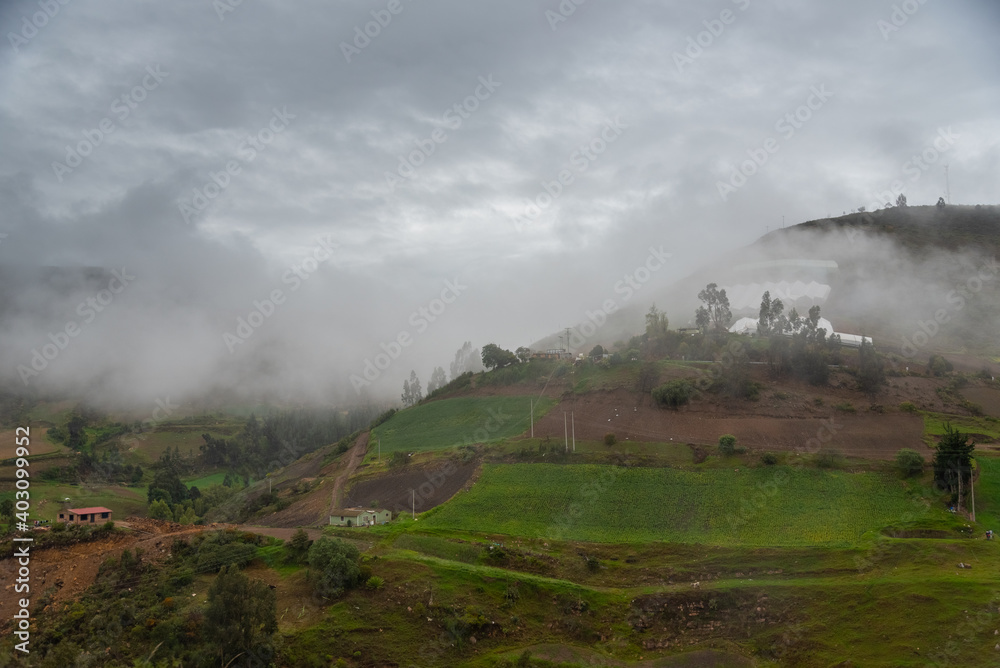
(909, 462)
(938, 365)
(674, 393)
(727, 444)
(610, 439)
(375, 582)
(908, 407)
(769, 459)
(846, 407)
(829, 459)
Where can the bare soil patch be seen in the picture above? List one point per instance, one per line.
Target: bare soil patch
(987, 397)
(422, 487)
(633, 417)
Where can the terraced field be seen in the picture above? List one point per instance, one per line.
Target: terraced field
(452, 422)
(772, 506)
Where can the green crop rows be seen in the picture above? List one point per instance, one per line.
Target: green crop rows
(757, 507)
(452, 422)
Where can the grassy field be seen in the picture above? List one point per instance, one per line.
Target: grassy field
(988, 493)
(46, 499)
(753, 507)
(452, 422)
(206, 481)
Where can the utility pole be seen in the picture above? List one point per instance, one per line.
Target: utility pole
(532, 418)
(565, 432)
(972, 485)
(960, 489)
(380, 449)
(413, 500)
(947, 185)
(572, 418)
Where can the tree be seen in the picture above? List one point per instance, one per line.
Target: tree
(953, 461)
(523, 354)
(771, 319)
(937, 365)
(337, 565)
(7, 511)
(674, 393)
(415, 389)
(909, 462)
(241, 615)
(871, 370)
(407, 395)
(159, 510)
(297, 549)
(597, 352)
(437, 381)
(657, 324)
(495, 357)
(727, 444)
(901, 202)
(941, 203)
(412, 394)
(715, 313)
(466, 359)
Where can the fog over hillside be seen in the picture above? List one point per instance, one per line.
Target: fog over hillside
(260, 200)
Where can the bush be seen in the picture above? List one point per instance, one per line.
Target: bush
(909, 462)
(727, 444)
(908, 407)
(938, 366)
(829, 459)
(610, 439)
(846, 407)
(674, 393)
(375, 582)
(337, 563)
(769, 459)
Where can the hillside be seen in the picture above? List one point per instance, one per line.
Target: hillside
(554, 513)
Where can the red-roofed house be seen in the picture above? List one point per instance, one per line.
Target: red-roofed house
(85, 515)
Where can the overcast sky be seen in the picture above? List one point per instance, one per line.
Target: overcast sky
(413, 137)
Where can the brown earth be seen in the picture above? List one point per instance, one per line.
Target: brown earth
(37, 443)
(988, 399)
(632, 416)
(70, 569)
(314, 508)
(419, 487)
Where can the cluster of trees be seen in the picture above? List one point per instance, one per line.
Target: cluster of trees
(281, 438)
(412, 393)
(467, 360)
(149, 602)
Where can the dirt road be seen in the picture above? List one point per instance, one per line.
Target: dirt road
(358, 451)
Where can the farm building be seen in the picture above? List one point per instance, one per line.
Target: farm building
(360, 517)
(85, 515)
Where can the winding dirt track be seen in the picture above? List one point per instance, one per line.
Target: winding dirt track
(358, 451)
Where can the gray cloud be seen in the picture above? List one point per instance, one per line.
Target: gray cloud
(325, 173)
